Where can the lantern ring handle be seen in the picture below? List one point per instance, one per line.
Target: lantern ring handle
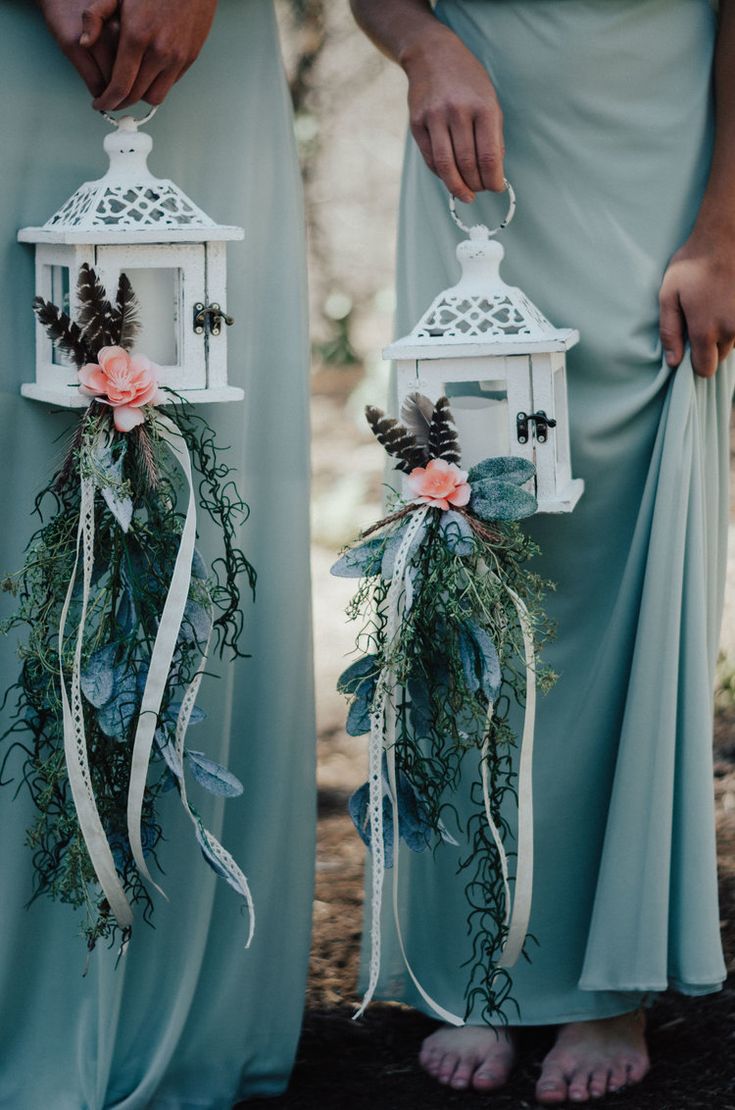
(494, 231)
(137, 122)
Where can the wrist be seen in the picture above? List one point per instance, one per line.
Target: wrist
(422, 43)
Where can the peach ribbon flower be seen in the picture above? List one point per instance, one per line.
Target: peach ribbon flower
(440, 483)
(124, 381)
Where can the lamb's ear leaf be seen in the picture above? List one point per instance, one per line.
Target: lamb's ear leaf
(494, 499)
(360, 562)
(361, 670)
(358, 715)
(457, 533)
(507, 467)
(413, 821)
(213, 776)
(358, 808)
(98, 676)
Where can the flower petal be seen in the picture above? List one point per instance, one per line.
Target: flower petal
(126, 418)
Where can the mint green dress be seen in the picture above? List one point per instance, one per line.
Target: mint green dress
(609, 127)
(189, 1019)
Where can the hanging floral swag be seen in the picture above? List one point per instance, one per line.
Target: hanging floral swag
(116, 612)
(450, 624)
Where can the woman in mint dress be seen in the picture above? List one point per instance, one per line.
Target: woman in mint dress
(610, 126)
(189, 1019)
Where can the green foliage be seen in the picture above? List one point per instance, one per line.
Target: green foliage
(131, 574)
(458, 648)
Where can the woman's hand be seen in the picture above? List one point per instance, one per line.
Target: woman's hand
(158, 41)
(454, 113)
(64, 21)
(697, 301)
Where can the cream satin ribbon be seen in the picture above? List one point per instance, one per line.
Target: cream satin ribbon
(382, 738)
(162, 654)
(75, 745)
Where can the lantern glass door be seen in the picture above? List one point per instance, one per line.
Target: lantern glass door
(159, 296)
(168, 281)
(480, 411)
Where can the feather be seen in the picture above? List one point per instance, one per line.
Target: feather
(126, 313)
(396, 438)
(62, 331)
(416, 414)
(96, 316)
(443, 438)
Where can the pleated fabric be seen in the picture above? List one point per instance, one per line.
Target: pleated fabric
(189, 1019)
(608, 123)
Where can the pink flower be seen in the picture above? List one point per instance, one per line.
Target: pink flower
(125, 381)
(440, 483)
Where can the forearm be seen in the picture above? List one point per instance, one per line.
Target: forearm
(402, 29)
(717, 211)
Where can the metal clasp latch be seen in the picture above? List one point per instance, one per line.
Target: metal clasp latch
(541, 423)
(209, 317)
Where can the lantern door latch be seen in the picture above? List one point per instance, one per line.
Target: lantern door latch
(209, 317)
(541, 424)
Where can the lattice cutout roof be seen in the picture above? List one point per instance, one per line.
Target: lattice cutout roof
(481, 307)
(129, 203)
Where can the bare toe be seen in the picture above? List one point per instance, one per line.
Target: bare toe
(552, 1088)
(463, 1073)
(447, 1067)
(598, 1082)
(579, 1085)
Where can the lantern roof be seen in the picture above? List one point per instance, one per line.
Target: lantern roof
(129, 204)
(481, 314)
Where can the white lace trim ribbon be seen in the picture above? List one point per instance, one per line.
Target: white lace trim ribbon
(75, 741)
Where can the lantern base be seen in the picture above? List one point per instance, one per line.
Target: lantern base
(565, 500)
(71, 398)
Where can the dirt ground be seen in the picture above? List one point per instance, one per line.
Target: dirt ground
(372, 1063)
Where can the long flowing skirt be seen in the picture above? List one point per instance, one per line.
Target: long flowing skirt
(608, 122)
(188, 1018)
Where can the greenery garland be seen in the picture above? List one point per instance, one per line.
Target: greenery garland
(138, 528)
(454, 666)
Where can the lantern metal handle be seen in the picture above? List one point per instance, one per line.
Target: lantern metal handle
(136, 123)
(494, 231)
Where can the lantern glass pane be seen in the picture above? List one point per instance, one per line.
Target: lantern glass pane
(158, 293)
(58, 284)
(481, 414)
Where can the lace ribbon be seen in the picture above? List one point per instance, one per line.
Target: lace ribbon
(382, 739)
(75, 744)
(75, 741)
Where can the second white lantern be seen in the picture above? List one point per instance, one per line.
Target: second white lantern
(489, 337)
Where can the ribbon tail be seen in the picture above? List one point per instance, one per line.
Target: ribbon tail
(494, 831)
(75, 742)
(445, 1015)
(518, 927)
(162, 654)
(233, 873)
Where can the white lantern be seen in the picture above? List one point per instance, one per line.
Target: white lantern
(174, 254)
(489, 337)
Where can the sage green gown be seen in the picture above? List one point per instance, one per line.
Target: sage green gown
(189, 1019)
(609, 127)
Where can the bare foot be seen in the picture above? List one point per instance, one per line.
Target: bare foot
(478, 1056)
(593, 1058)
